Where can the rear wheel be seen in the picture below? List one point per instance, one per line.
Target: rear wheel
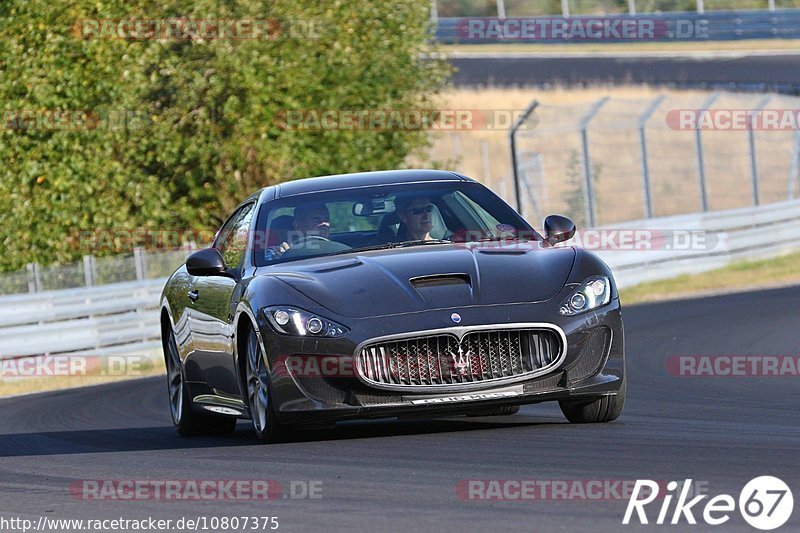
(262, 410)
(187, 421)
(603, 409)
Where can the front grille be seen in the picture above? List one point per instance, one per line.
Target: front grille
(441, 359)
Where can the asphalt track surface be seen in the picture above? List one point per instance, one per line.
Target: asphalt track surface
(754, 72)
(389, 475)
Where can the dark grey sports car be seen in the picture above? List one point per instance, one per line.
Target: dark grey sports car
(387, 294)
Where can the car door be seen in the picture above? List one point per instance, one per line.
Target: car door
(214, 303)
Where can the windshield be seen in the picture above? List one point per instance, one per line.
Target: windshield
(337, 222)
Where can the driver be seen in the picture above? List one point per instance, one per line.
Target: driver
(312, 220)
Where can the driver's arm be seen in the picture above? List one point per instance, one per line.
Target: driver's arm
(276, 251)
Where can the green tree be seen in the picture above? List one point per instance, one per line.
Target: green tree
(205, 115)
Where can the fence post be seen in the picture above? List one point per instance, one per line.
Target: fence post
(434, 11)
(631, 7)
(648, 113)
(512, 135)
(698, 139)
(485, 160)
(34, 278)
(89, 273)
(537, 212)
(455, 141)
(501, 188)
(501, 9)
(565, 8)
(795, 164)
(588, 193)
(771, 5)
(752, 141)
(140, 261)
(701, 8)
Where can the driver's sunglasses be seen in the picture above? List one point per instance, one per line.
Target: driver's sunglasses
(419, 210)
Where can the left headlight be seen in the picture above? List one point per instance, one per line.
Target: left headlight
(591, 294)
(295, 321)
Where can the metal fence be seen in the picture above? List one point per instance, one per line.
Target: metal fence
(94, 271)
(616, 160)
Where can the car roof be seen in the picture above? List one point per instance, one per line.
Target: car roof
(363, 179)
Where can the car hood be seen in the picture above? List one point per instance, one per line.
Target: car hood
(389, 282)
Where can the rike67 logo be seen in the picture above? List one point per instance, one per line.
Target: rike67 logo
(765, 503)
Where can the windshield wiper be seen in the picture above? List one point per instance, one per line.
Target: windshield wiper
(384, 246)
(390, 245)
(404, 244)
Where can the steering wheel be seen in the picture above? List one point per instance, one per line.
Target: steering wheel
(304, 242)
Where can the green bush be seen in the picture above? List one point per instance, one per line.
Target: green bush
(203, 116)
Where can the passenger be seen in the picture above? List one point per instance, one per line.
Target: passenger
(416, 220)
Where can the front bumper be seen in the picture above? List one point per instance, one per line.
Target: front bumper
(593, 366)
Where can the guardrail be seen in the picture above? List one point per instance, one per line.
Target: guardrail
(121, 318)
(733, 235)
(709, 26)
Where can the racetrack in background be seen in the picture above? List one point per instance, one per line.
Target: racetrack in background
(736, 70)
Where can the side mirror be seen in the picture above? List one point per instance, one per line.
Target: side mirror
(558, 229)
(206, 262)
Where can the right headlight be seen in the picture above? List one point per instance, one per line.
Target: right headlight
(294, 321)
(591, 294)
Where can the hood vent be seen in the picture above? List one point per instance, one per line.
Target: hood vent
(444, 290)
(440, 280)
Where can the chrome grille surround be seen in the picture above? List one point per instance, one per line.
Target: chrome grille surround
(460, 358)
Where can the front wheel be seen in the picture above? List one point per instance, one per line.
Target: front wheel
(262, 410)
(187, 421)
(603, 409)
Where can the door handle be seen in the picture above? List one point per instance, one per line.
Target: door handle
(194, 295)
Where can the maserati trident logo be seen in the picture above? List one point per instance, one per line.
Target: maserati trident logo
(455, 317)
(460, 360)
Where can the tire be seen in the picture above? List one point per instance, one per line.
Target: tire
(601, 410)
(504, 410)
(259, 398)
(187, 421)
